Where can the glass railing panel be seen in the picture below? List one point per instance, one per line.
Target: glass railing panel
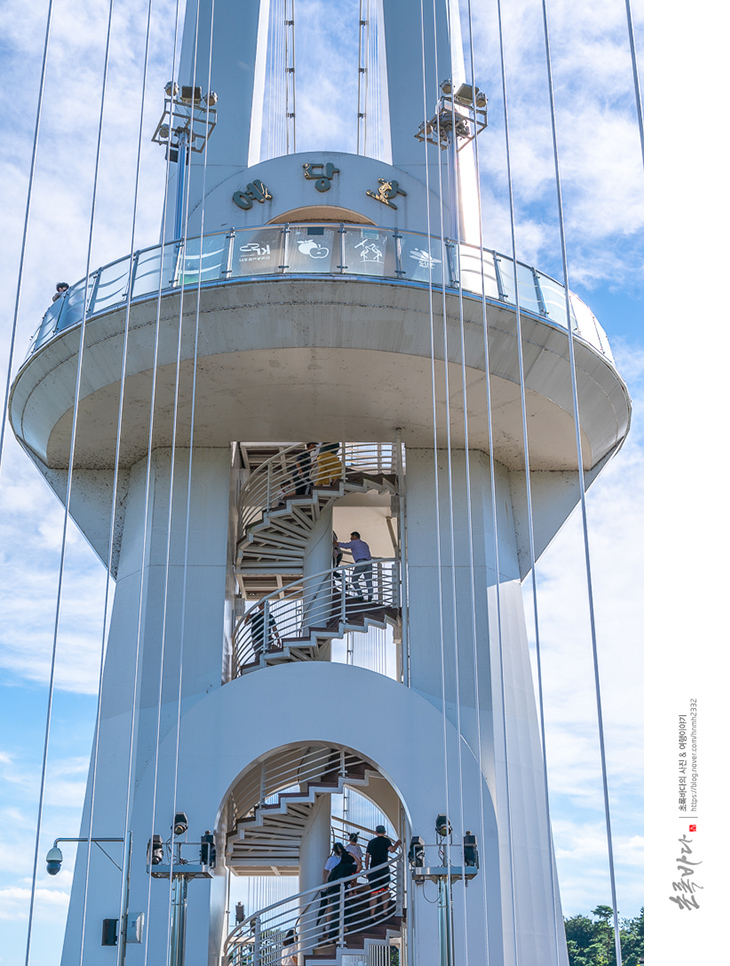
(474, 268)
(588, 327)
(257, 251)
(369, 251)
(73, 308)
(504, 268)
(147, 278)
(205, 259)
(49, 322)
(528, 294)
(111, 286)
(553, 294)
(423, 258)
(313, 249)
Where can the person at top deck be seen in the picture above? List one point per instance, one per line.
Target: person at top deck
(61, 289)
(363, 569)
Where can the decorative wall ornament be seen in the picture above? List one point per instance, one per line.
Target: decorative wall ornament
(323, 180)
(387, 191)
(255, 191)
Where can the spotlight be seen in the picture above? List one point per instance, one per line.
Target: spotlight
(54, 860)
(416, 852)
(207, 850)
(471, 854)
(155, 850)
(180, 824)
(443, 826)
(172, 89)
(446, 87)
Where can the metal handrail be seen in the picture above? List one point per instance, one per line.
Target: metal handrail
(291, 770)
(280, 477)
(402, 256)
(317, 602)
(346, 907)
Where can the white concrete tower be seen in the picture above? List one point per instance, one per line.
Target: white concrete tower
(331, 297)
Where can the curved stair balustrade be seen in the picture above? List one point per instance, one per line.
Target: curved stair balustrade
(286, 486)
(292, 624)
(319, 924)
(274, 804)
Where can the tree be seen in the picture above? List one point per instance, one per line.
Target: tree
(591, 941)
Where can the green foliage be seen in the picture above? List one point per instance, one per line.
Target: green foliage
(591, 941)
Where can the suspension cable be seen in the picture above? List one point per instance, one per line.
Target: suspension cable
(635, 69)
(155, 375)
(113, 517)
(26, 219)
(290, 79)
(69, 483)
(528, 484)
(582, 488)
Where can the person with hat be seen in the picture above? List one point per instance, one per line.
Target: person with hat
(376, 854)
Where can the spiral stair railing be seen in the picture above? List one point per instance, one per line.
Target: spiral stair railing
(319, 923)
(354, 467)
(270, 808)
(293, 623)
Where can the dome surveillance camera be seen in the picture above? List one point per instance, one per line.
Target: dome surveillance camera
(53, 861)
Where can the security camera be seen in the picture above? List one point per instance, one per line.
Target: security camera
(54, 860)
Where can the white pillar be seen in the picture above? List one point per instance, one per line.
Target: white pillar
(193, 637)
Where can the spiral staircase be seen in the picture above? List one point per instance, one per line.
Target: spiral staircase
(292, 615)
(278, 511)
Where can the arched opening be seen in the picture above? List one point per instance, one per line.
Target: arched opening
(321, 213)
(282, 817)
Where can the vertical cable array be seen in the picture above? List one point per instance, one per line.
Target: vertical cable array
(26, 218)
(69, 483)
(113, 515)
(582, 487)
(290, 66)
(363, 75)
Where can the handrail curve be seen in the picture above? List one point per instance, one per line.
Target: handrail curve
(318, 249)
(284, 475)
(325, 602)
(346, 908)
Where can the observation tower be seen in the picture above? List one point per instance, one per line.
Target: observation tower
(346, 299)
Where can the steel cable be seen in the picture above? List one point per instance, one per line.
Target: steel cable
(582, 487)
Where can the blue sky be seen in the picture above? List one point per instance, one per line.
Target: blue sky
(601, 168)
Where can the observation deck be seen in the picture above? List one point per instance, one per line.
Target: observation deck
(292, 320)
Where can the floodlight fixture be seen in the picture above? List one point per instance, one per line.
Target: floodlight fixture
(207, 849)
(471, 853)
(155, 850)
(417, 852)
(443, 826)
(459, 117)
(180, 824)
(54, 860)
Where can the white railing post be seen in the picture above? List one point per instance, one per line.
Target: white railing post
(265, 642)
(343, 595)
(341, 917)
(262, 784)
(257, 943)
(268, 486)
